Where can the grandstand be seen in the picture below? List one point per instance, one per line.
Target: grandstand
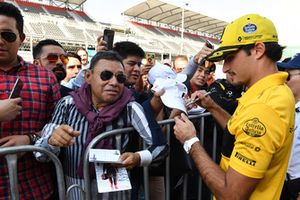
(153, 24)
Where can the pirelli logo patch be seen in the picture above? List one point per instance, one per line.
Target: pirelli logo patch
(254, 128)
(245, 159)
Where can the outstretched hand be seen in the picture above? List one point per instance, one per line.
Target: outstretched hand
(201, 98)
(184, 129)
(63, 136)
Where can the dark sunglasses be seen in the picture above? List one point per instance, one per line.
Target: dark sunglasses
(8, 36)
(107, 75)
(52, 58)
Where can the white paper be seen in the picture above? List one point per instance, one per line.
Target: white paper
(196, 110)
(109, 178)
(104, 155)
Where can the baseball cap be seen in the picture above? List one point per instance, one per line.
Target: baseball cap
(245, 30)
(162, 71)
(174, 94)
(294, 63)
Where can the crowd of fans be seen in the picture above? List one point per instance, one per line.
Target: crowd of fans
(68, 99)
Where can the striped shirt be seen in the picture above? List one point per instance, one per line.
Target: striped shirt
(67, 113)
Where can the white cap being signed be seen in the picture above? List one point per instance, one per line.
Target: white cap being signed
(165, 72)
(173, 97)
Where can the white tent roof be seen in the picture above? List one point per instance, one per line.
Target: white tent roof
(155, 10)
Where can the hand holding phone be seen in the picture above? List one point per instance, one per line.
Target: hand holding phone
(16, 89)
(209, 44)
(108, 37)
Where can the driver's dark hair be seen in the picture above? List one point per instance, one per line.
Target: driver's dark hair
(273, 50)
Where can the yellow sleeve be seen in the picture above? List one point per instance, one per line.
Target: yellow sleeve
(258, 132)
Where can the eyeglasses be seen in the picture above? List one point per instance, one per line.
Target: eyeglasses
(291, 75)
(52, 58)
(107, 75)
(8, 36)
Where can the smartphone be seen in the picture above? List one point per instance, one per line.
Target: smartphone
(209, 44)
(108, 37)
(16, 89)
(150, 58)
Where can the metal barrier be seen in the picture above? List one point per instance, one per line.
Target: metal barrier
(118, 132)
(10, 154)
(202, 139)
(11, 157)
(86, 169)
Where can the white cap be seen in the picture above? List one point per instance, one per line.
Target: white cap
(173, 96)
(165, 72)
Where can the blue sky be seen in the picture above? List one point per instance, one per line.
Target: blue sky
(284, 13)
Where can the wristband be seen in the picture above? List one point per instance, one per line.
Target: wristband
(188, 144)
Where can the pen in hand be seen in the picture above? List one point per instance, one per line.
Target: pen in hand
(197, 98)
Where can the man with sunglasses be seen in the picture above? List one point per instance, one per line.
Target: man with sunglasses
(36, 102)
(291, 187)
(101, 104)
(263, 123)
(132, 56)
(50, 55)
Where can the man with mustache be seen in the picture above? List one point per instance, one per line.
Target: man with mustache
(101, 104)
(52, 56)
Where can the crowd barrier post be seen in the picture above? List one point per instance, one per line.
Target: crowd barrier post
(10, 154)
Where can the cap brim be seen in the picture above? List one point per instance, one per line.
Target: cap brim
(174, 102)
(286, 65)
(221, 53)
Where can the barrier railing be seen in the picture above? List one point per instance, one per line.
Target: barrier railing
(10, 154)
(118, 132)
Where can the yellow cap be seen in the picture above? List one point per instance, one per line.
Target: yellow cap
(245, 30)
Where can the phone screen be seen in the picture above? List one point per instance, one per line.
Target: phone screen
(16, 89)
(108, 37)
(150, 58)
